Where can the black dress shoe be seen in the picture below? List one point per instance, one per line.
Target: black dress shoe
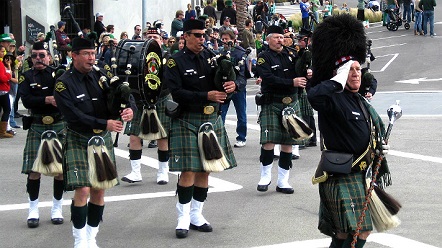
(285, 190)
(57, 221)
(162, 182)
(16, 126)
(127, 180)
(33, 223)
(295, 157)
(17, 115)
(152, 144)
(203, 228)
(181, 233)
(263, 188)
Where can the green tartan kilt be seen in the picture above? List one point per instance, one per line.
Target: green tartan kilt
(270, 120)
(183, 141)
(33, 141)
(75, 161)
(337, 194)
(134, 126)
(304, 105)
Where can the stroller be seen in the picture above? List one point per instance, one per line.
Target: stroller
(395, 20)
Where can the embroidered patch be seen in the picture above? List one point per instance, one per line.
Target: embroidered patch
(171, 63)
(21, 79)
(261, 61)
(59, 86)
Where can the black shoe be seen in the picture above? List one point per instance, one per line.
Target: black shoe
(57, 221)
(181, 233)
(203, 228)
(285, 190)
(152, 144)
(263, 188)
(33, 223)
(312, 143)
(295, 157)
(17, 115)
(16, 126)
(162, 182)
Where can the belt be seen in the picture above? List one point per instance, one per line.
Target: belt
(207, 110)
(46, 119)
(279, 99)
(84, 130)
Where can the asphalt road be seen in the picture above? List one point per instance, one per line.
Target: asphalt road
(143, 215)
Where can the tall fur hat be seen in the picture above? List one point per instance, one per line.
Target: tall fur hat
(335, 38)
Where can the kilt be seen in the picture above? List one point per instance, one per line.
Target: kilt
(337, 194)
(134, 126)
(183, 141)
(75, 161)
(304, 105)
(33, 141)
(270, 120)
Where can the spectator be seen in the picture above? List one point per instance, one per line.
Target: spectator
(305, 8)
(226, 25)
(62, 40)
(177, 23)
(428, 7)
(190, 13)
(110, 29)
(315, 10)
(137, 32)
(418, 19)
(220, 5)
(98, 25)
(328, 9)
(209, 10)
(249, 42)
(407, 11)
(345, 7)
(5, 76)
(124, 35)
(228, 12)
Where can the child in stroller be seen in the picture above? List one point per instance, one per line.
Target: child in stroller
(395, 19)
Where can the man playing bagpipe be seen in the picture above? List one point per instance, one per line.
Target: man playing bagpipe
(349, 125)
(279, 88)
(145, 119)
(82, 96)
(236, 55)
(43, 150)
(198, 140)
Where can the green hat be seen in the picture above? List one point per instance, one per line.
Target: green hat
(229, 3)
(5, 37)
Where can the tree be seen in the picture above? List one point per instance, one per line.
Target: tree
(241, 15)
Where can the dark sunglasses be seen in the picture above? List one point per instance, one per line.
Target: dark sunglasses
(40, 55)
(198, 35)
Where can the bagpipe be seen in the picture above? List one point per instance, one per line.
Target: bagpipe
(367, 78)
(141, 62)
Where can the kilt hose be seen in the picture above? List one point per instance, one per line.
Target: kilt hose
(270, 121)
(337, 196)
(134, 126)
(183, 141)
(33, 141)
(75, 159)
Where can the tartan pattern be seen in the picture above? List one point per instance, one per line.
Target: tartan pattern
(304, 105)
(75, 161)
(134, 127)
(33, 141)
(337, 194)
(270, 119)
(183, 141)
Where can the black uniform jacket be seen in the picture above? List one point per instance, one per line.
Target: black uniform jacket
(189, 82)
(341, 120)
(277, 71)
(37, 85)
(84, 107)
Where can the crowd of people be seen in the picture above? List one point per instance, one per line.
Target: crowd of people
(206, 69)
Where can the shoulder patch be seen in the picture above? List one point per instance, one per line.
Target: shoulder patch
(261, 61)
(171, 63)
(21, 79)
(59, 86)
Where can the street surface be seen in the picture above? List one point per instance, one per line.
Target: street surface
(143, 215)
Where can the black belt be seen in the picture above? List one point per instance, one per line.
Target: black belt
(85, 130)
(207, 109)
(269, 98)
(46, 119)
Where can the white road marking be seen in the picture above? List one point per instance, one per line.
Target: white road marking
(215, 185)
(385, 239)
(381, 47)
(389, 62)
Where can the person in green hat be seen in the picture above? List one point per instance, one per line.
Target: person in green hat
(230, 12)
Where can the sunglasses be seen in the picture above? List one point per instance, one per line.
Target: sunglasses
(40, 55)
(198, 35)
